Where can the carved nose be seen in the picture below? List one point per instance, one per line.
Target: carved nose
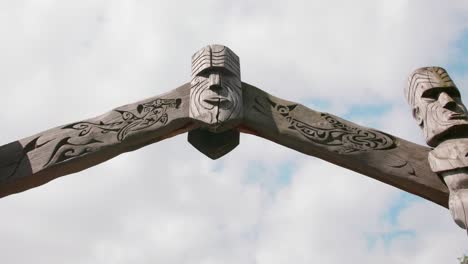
(215, 81)
(446, 101)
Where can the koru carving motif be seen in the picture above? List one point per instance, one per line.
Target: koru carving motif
(216, 88)
(439, 111)
(330, 131)
(148, 115)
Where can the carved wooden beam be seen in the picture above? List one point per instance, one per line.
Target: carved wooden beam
(38, 159)
(213, 108)
(370, 152)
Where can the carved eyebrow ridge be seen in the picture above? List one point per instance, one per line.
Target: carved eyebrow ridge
(202, 60)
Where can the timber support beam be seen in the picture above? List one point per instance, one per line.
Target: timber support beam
(216, 106)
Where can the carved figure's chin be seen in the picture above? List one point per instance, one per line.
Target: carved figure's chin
(220, 122)
(225, 115)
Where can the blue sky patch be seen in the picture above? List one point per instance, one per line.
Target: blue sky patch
(321, 105)
(391, 217)
(388, 238)
(356, 113)
(403, 201)
(218, 166)
(272, 180)
(458, 65)
(285, 173)
(367, 111)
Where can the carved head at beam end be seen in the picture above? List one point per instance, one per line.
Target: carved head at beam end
(436, 105)
(216, 89)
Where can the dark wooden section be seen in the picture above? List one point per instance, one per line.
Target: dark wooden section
(214, 145)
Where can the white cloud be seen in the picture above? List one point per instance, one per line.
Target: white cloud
(63, 61)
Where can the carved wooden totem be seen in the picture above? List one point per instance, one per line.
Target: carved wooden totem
(440, 113)
(215, 100)
(216, 88)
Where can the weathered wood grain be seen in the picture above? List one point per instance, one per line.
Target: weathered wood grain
(38, 159)
(378, 155)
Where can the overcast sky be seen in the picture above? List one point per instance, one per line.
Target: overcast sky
(65, 61)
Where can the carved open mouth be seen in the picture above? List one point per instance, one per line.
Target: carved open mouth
(218, 101)
(457, 116)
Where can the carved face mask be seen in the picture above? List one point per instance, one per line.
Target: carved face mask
(436, 103)
(216, 95)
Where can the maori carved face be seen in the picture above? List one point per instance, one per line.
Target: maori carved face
(436, 104)
(216, 95)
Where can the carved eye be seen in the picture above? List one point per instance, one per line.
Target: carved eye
(433, 94)
(430, 95)
(217, 70)
(205, 73)
(283, 110)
